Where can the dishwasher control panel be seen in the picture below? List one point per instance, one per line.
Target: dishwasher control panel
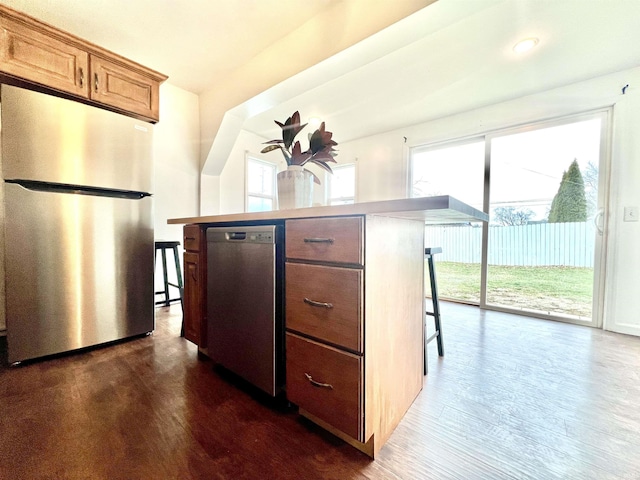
(260, 237)
(242, 235)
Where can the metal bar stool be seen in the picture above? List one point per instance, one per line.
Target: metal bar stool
(429, 253)
(163, 246)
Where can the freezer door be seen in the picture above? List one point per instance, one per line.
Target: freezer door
(51, 139)
(79, 270)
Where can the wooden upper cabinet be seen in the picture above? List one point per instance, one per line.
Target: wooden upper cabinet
(124, 88)
(34, 56)
(34, 52)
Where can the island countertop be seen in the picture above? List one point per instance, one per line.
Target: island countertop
(438, 209)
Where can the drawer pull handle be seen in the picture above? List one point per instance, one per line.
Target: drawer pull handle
(318, 240)
(313, 303)
(318, 384)
(189, 238)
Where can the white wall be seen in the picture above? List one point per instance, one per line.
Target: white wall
(381, 172)
(176, 190)
(382, 164)
(622, 302)
(176, 141)
(225, 193)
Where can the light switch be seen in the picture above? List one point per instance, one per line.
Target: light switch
(631, 214)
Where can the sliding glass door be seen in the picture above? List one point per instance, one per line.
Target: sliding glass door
(541, 251)
(543, 186)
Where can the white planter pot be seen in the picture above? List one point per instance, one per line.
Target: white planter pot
(295, 188)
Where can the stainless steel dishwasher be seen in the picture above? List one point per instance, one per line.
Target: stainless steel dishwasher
(244, 303)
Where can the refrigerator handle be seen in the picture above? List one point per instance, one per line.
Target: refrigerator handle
(78, 189)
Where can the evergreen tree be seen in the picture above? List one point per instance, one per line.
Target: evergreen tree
(570, 203)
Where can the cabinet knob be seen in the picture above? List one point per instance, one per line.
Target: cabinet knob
(81, 75)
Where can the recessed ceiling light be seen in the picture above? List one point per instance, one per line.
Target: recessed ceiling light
(525, 45)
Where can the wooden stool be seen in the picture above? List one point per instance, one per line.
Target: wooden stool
(163, 246)
(429, 253)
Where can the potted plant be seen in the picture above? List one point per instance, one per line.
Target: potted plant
(295, 184)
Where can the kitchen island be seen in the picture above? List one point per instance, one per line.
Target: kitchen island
(353, 294)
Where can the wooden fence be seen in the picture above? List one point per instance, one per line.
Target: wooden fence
(538, 244)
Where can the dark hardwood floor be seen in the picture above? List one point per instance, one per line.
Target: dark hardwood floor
(514, 398)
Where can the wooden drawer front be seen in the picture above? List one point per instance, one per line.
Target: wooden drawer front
(325, 303)
(336, 240)
(336, 398)
(29, 54)
(192, 238)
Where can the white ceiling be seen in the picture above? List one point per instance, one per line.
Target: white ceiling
(460, 57)
(452, 56)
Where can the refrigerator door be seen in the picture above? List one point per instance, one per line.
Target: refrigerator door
(50, 139)
(79, 270)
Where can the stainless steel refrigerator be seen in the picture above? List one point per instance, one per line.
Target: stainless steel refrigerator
(79, 254)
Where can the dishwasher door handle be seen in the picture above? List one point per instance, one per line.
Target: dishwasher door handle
(236, 235)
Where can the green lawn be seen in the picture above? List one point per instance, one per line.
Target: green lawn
(556, 290)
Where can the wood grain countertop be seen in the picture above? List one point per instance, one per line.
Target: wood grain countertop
(439, 209)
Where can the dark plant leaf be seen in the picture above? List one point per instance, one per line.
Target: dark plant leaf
(290, 129)
(323, 165)
(270, 148)
(323, 156)
(320, 140)
(298, 157)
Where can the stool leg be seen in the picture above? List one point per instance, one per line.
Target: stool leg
(436, 304)
(425, 367)
(165, 278)
(180, 285)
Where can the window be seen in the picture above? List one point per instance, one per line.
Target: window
(455, 169)
(342, 185)
(261, 181)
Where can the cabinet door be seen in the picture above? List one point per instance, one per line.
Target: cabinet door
(329, 240)
(327, 383)
(192, 237)
(193, 311)
(325, 303)
(32, 55)
(124, 89)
